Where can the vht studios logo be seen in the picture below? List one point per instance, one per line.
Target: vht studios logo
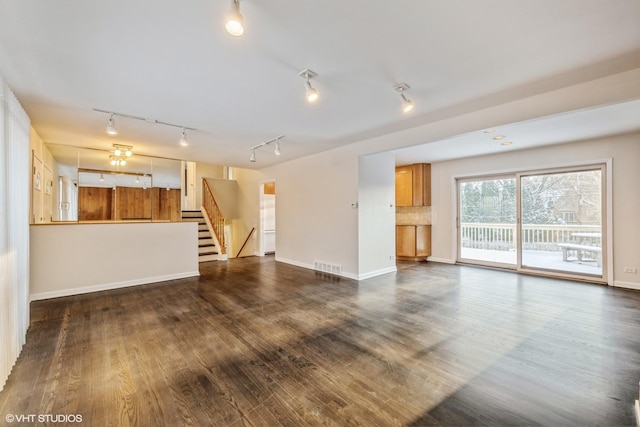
(43, 418)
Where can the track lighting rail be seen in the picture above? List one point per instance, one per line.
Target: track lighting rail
(275, 140)
(144, 119)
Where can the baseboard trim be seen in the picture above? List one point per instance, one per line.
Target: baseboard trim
(627, 285)
(311, 267)
(441, 260)
(110, 286)
(378, 273)
(292, 262)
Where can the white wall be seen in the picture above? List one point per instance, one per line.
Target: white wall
(206, 170)
(225, 192)
(14, 229)
(376, 215)
(68, 259)
(313, 210)
(625, 152)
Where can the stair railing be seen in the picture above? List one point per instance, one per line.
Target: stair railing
(245, 242)
(215, 215)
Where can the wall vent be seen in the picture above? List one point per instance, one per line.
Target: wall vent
(326, 267)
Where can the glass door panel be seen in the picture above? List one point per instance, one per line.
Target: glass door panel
(487, 221)
(562, 221)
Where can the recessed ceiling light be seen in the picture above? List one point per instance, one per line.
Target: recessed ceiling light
(499, 137)
(489, 131)
(506, 143)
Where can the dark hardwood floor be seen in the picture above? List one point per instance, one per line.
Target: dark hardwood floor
(252, 342)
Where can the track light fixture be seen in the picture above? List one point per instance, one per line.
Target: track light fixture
(235, 22)
(111, 129)
(111, 126)
(183, 138)
(312, 93)
(407, 105)
(276, 151)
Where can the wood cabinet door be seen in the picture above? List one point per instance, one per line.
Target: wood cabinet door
(404, 186)
(413, 185)
(426, 184)
(406, 240)
(423, 240)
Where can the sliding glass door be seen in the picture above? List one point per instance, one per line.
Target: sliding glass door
(541, 221)
(562, 221)
(487, 221)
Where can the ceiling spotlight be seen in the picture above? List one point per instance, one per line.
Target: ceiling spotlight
(183, 138)
(111, 127)
(407, 105)
(498, 137)
(276, 150)
(235, 23)
(101, 177)
(506, 143)
(117, 152)
(312, 93)
(128, 152)
(489, 131)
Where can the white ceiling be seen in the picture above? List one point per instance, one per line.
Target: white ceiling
(173, 61)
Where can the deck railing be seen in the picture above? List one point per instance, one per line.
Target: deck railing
(501, 237)
(215, 215)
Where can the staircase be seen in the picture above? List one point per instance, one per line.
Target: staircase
(207, 250)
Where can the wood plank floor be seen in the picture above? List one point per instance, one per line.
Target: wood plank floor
(253, 342)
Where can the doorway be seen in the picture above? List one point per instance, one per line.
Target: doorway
(545, 221)
(268, 217)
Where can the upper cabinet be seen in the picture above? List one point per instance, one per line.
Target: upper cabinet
(413, 185)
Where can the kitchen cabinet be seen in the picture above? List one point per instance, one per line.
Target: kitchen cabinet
(413, 185)
(413, 242)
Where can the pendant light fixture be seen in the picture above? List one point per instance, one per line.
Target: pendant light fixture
(235, 22)
(407, 105)
(120, 154)
(312, 93)
(111, 126)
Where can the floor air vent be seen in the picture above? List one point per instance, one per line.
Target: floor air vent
(325, 267)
